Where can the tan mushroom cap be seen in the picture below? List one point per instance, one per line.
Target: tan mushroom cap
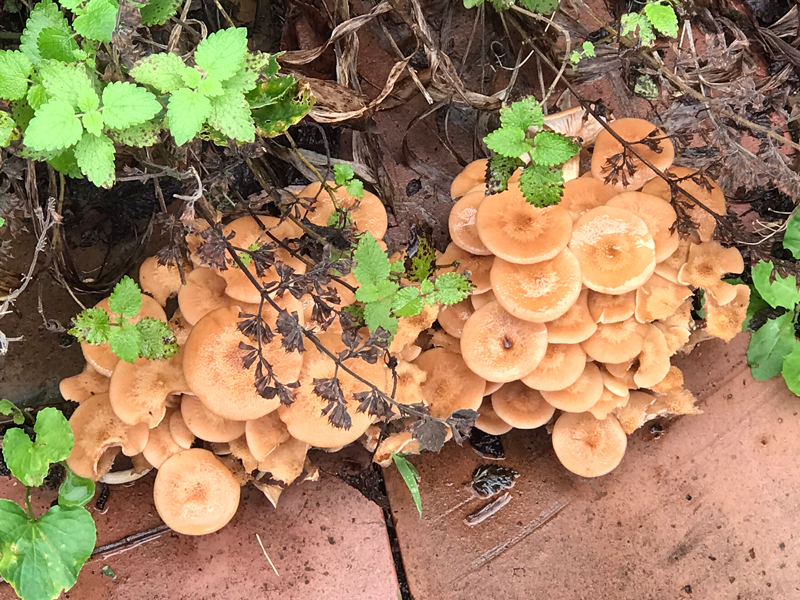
(615, 250)
(707, 263)
(100, 357)
(539, 292)
(180, 327)
(499, 347)
(726, 321)
(488, 421)
(286, 302)
(247, 233)
(99, 435)
(587, 446)
(608, 403)
(631, 130)
(668, 269)
(574, 122)
(521, 407)
(204, 291)
(659, 216)
(616, 342)
(240, 450)
(653, 359)
(367, 213)
(575, 325)
(517, 231)
(479, 300)
(304, 417)
(492, 387)
(678, 402)
(409, 328)
(161, 281)
(634, 414)
(560, 367)
(195, 493)
(462, 223)
(410, 353)
(442, 339)
(161, 445)
(287, 461)
(206, 425)
(213, 367)
(410, 378)
(619, 385)
(453, 317)
(84, 385)
(671, 383)
(676, 337)
(182, 435)
(478, 266)
(606, 308)
(265, 434)
(473, 174)
(139, 390)
(658, 298)
(402, 442)
(449, 384)
(618, 370)
(584, 194)
(581, 395)
(714, 199)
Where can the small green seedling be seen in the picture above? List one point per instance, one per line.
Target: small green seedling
(537, 6)
(586, 51)
(346, 177)
(410, 476)
(657, 16)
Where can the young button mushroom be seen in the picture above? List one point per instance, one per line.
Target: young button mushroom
(575, 325)
(560, 367)
(616, 342)
(265, 434)
(707, 263)
(539, 292)
(659, 216)
(84, 385)
(606, 308)
(499, 347)
(195, 493)
(478, 266)
(488, 421)
(521, 407)
(367, 213)
(608, 153)
(204, 291)
(658, 298)
(449, 385)
(286, 462)
(583, 194)
(581, 395)
(473, 174)
(726, 321)
(462, 223)
(207, 425)
(615, 250)
(587, 446)
(653, 359)
(161, 281)
(453, 317)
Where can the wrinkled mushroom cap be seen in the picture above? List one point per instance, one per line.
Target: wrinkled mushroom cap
(207, 425)
(453, 317)
(726, 321)
(478, 266)
(653, 359)
(488, 421)
(659, 216)
(707, 263)
(574, 326)
(634, 414)
(676, 336)
(84, 385)
(616, 342)
(410, 378)
(587, 446)
(160, 281)
(409, 328)
(462, 223)
(658, 298)
(521, 407)
(367, 213)
(560, 367)
(584, 194)
(473, 174)
(449, 384)
(606, 308)
(581, 395)
(671, 383)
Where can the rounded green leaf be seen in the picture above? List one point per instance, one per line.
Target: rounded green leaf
(95, 156)
(186, 112)
(126, 299)
(53, 435)
(126, 104)
(15, 68)
(75, 490)
(98, 20)
(23, 459)
(53, 127)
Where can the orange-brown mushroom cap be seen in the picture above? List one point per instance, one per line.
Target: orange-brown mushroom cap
(207, 425)
(707, 263)
(367, 212)
(265, 434)
(575, 325)
(473, 174)
(488, 421)
(671, 383)
(634, 414)
(521, 407)
(587, 446)
(658, 298)
(584, 194)
(581, 395)
(182, 435)
(161, 445)
(478, 266)
(449, 383)
(560, 367)
(606, 308)
(161, 281)
(286, 462)
(653, 359)
(659, 216)
(204, 291)
(668, 269)
(608, 402)
(453, 317)
(616, 342)
(479, 300)
(84, 385)
(726, 321)
(462, 223)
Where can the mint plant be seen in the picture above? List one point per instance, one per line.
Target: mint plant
(148, 338)
(42, 556)
(346, 177)
(657, 16)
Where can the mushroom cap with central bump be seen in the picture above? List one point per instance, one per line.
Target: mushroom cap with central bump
(615, 250)
(367, 212)
(265, 434)
(521, 407)
(478, 266)
(462, 223)
(213, 367)
(587, 446)
(573, 326)
(606, 308)
(195, 493)
(616, 342)
(449, 385)
(84, 385)
(583, 194)
(517, 231)
(304, 417)
(499, 347)
(206, 425)
(657, 214)
(161, 281)
(471, 175)
(581, 395)
(539, 292)
(560, 367)
(706, 265)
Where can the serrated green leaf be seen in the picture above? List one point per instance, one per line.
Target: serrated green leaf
(231, 116)
(397, 267)
(271, 92)
(769, 345)
(423, 262)
(262, 63)
(37, 96)
(97, 21)
(552, 149)
(15, 68)
(126, 342)
(645, 87)
(540, 6)
(22, 113)
(541, 186)
(372, 264)
(575, 57)
(10, 409)
(408, 302)
(791, 236)
(342, 173)
(71, 5)
(222, 54)
(75, 490)
(192, 78)
(93, 122)
(158, 340)
(244, 81)
(92, 326)
(68, 82)
(54, 437)
(509, 142)
(95, 157)
(426, 287)
(663, 18)
(45, 14)
(187, 111)
(499, 170)
(379, 314)
(126, 104)
(356, 188)
(472, 3)
(53, 127)
(273, 120)
(782, 291)
(522, 114)
(408, 471)
(138, 136)
(630, 22)
(451, 288)
(791, 370)
(66, 163)
(8, 130)
(126, 299)
(211, 87)
(57, 44)
(158, 12)
(372, 292)
(163, 71)
(588, 49)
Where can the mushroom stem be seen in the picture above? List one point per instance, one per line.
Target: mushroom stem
(571, 169)
(122, 477)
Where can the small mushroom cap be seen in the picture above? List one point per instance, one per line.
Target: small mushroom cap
(410, 352)
(453, 317)
(442, 339)
(618, 370)
(517, 231)
(462, 223)
(240, 450)
(616, 342)
(581, 395)
(99, 435)
(305, 419)
(659, 216)
(488, 421)
(678, 402)
(473, 174)
(499, 347)
(713, 198)
(671, 383)
(631, 130)
(479, 300)
(478, 266)
(575, 325)
(726, 321)
(204, 291)
(584, 194)
(634, 414)
(587, 446)
(265, 434)
(560, 367)
(521, 407)
(195, 493)
(286, 462)
(161, 445)
(619, 385)
(574, 122)
(449, 384)
(658, 298)
(608, 403)
(668, 269)
(402, 442)
(409, 328)
(214, 369)
(139, 390)
(205, 424)
(707, 263)
(614, 248)
(367, 213)
(161, 281)
(492, 387)
(539, 292)
(100, 357)
(676, 337)
(653, 359)
(180, 327)
(606, 308)
(84, 385)
(410, 378)
(182, 435)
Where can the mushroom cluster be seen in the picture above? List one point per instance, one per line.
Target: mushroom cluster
(579, 307)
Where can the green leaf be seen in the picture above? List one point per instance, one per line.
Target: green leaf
(791, 236)
(663, 18)
(782, 291)
(552, 149)
(452, 288)
(158, 340)
(409, 473)
(95, 156)
(588, 49)
(769, 345)
(509, 142)
(645, 87)
(423, 261)
(395, 268)
(71, 5)
(222, 54)
(97, 21)
(372, 264)
(211, 87)
(107, 571)
(163, 71)
(192, 78)
(271, 92)
(54, 126)
(631, 21)
(273, 120)
(43, 557)
(244, 81)
(93, 122)
(522, 114)
(22, 458)
(231, 116)
(37, 96)
(372, 292)
(426, 287)
(408, 302)
(54, 437)
(8, 131)
(15, 68)
(499, 170)
(70, 83)
(472, 3)
(575, 57)
(540, 6)
(126, 104)
(158, 12)
(126, 342)
(343, 173)
(379, 314)
(356, 188)
(9, 408)
(66, 163)
(75, 490)
(126, 299)
(91, 326)
(45, 14)
(138, 136)
(187, 111)
(58, 44)
(541, 186)
(791, 370)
